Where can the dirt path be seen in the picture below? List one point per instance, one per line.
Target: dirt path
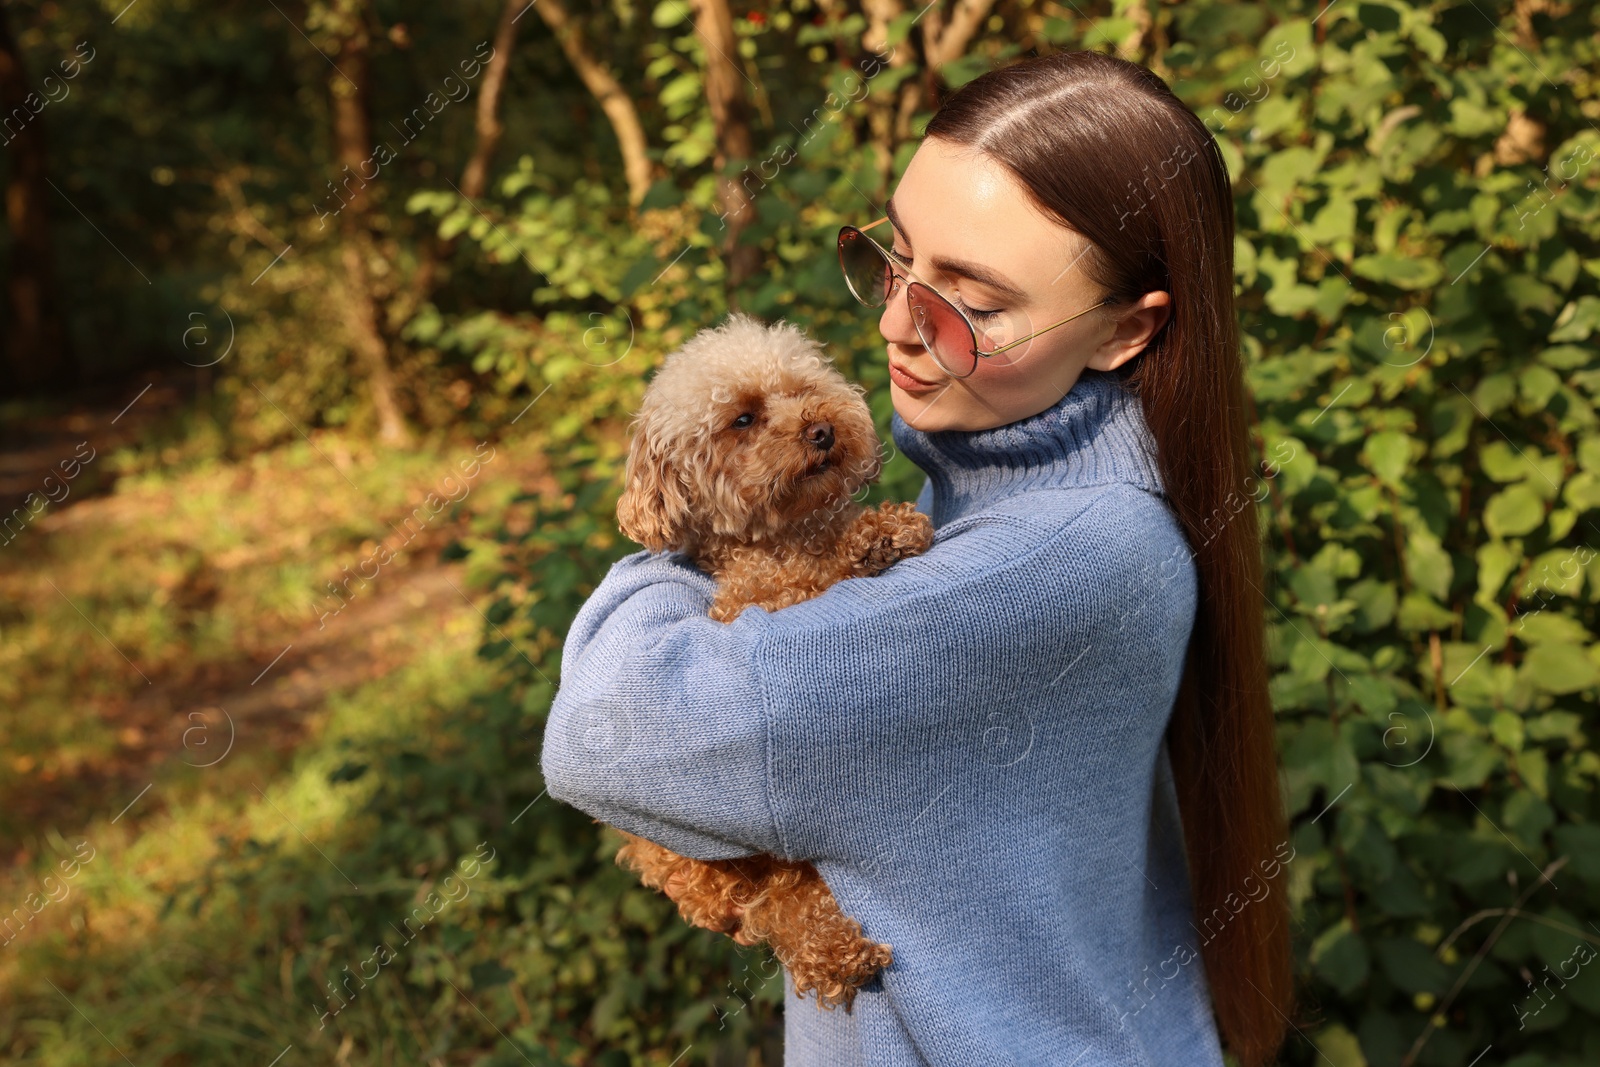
(258, 705)
(34, 443)
(262, 700)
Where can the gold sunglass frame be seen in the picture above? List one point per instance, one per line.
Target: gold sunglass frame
(912, 279)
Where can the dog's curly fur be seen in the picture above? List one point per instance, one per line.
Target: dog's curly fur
(748, 450)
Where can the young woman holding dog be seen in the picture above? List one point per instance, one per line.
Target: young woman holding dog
(1038, 759)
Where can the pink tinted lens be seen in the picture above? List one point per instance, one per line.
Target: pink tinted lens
(944, 332)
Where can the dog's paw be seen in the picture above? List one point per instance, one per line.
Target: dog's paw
(910, 530)
(892, 533)
(835, 981)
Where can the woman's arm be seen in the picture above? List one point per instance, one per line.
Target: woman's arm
(775, 732)
(658, 726)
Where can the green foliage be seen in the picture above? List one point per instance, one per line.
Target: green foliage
(1411, 295)
(1418, 269)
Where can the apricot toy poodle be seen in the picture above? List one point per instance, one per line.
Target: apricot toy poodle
(748, 450)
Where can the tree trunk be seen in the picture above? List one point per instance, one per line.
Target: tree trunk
(882, 108)
(475, 176)
(947, 42)
(35, 340)
(613, 99)
(350, 89)
(730, 117)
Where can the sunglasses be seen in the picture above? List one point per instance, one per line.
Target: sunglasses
(946, 331)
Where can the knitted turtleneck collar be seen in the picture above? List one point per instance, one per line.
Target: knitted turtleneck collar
(1094, 435)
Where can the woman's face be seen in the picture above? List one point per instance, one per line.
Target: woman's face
(965, 225)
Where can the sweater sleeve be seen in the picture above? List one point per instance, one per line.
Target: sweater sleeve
(657, 727)
(775, 732)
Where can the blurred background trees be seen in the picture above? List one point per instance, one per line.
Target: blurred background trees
(280, 266)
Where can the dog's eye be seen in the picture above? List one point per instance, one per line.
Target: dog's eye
(743, 421)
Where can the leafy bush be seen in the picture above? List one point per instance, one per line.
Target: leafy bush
(1418, 269)
(1419, 285)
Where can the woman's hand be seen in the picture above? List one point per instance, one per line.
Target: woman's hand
(734, 928)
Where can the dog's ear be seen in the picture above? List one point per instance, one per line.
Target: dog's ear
(654, 505)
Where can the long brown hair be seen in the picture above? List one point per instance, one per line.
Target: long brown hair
(1105, 147)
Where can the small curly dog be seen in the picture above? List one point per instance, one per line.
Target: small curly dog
(748, 449)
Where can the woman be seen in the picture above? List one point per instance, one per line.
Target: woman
(1000, 753)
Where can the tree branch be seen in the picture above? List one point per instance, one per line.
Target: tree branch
(952, 41)
(613, 99)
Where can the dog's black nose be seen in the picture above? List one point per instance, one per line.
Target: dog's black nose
(820, 434)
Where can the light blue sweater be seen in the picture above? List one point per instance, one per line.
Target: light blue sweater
(968, 746)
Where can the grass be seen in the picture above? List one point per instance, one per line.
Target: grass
(131, 621)
(261, 790)
(118, 608)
